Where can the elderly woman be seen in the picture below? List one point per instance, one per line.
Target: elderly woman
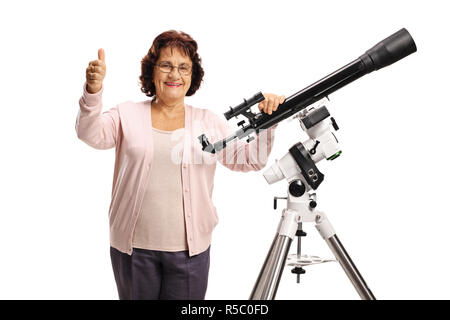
(161, 213)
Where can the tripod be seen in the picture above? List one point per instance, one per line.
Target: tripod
(298, 168)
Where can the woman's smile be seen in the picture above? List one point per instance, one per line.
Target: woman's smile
(172, 84)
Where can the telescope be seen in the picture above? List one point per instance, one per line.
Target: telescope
(298, 165)
(386, 52)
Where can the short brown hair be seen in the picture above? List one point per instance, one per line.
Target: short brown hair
(172, 39)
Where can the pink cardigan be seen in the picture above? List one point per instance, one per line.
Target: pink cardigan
(127, 127)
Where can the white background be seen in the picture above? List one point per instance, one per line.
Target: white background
(387, 195)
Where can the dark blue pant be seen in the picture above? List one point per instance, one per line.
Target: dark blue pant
(151, 275)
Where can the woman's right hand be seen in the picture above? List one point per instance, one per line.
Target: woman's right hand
(95, 73)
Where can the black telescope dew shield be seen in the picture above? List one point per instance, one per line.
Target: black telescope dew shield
(386, 52)
(390, 50)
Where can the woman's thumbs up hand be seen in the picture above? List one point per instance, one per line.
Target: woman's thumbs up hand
(95, 73)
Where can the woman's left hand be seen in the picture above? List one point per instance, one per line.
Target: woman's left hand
(270, 102)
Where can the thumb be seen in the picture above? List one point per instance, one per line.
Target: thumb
(101, 55)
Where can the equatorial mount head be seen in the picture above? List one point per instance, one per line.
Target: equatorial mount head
(299, 164)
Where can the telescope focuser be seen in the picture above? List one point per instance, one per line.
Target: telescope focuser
(241, 109)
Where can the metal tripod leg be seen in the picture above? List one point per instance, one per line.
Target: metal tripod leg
(327, 232)
(269, 277)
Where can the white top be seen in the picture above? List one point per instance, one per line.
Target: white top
(161, 225)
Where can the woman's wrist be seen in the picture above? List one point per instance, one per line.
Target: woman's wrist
(91, 90)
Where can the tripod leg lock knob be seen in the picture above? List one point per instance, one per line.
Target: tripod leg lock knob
(298, 270)
(300, 233)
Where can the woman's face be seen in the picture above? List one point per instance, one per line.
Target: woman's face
(172, 87)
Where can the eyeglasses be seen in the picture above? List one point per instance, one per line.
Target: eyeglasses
(166, 67)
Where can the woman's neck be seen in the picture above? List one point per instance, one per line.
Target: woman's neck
(169, 109)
